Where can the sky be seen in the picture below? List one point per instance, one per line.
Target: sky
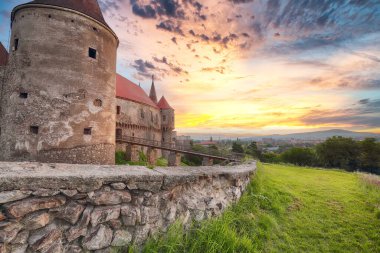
(251, 67)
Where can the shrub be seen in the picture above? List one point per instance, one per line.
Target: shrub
(299, 156)
(339, 152)
(120, 158)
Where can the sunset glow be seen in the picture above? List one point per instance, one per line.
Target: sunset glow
(241, 67)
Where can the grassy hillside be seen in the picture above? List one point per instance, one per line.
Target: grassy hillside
(289, 209)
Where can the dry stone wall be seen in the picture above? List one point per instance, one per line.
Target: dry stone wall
(90, 208)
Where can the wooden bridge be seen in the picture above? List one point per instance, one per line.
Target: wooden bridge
(176, 151)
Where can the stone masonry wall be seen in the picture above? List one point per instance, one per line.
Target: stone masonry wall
(92, 208)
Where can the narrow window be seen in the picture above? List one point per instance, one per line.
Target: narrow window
(87, 131)
(15, 46)
(118, 110)
(119, 132)
(94, 28)
(164, 118)
(49, 16)
(142, 114)
(34, 129)
(98, 102)
(92, 53)
(23, 95)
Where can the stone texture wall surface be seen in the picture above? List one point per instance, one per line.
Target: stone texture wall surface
(93, 208)
(51, 97)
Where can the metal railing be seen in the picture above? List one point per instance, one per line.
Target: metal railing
(172, 146)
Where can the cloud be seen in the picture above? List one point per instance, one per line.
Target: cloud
(241, 1)
(107, 5)
(364, 101)
(366, 114)
(170, 26)
(177, 70)
(144, 11)
(219, 69)
(144, 68)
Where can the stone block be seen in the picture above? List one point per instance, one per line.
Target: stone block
(101, 238)
(69, 193)
(141, 234)
(22, 207)
(80, 229)
(2, 216)
(36, 220)
(118, 186)
(48, 241)
(10, 231)
(103, 214)
(10, 196)
(112, 197)
(121, 238)
(149, 214)
(21, 238)
(131, 215)
(70, 212)
(19, 248)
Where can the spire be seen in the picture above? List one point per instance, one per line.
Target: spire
(152, 93)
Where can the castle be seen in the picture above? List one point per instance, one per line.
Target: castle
(61, 99)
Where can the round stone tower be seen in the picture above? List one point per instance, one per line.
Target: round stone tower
(59, 95)
(167, 125)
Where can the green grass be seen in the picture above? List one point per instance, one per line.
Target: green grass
(288, 209)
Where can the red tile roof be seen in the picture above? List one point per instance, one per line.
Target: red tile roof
(128, 90)
(89, 7)
(3, 55)
(163, 104)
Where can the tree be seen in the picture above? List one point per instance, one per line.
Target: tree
(299, 156)
(253, 150)
(270, 157)
(237, 147)
(339, 152)
(369, 158)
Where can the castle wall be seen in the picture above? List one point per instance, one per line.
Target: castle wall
(2, 79)
(67, 91)
(138, 120)
(89, 208)
(168, 119)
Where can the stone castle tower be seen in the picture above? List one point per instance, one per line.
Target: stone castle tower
(167, 124)
(58, 96)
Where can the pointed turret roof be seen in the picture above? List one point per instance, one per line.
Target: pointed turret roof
(163, 104)
(3, 55)
(152, 93)
(88, 7)
(125, 89)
